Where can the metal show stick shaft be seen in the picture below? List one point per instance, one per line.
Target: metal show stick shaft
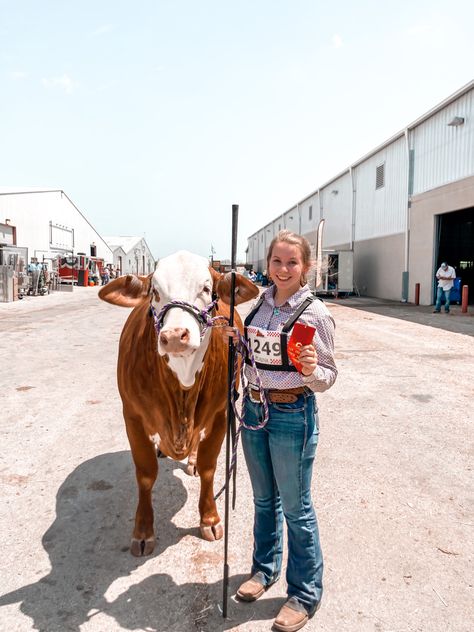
(230, 410)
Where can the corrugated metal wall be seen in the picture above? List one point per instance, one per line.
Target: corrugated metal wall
(252, 252)
(260, 245)
(444, 153)
(292, 220)
(380, 212)
(278, 225)
(310, 213)
(336, 210)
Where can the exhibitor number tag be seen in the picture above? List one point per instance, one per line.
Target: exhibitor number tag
(265, 345)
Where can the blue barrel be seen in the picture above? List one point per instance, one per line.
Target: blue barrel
(455, 296)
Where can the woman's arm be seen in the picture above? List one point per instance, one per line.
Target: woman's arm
(319, 367)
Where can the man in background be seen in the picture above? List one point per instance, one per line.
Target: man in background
(445, 275)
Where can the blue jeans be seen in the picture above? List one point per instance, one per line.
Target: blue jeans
(439, 295)
(280, 460)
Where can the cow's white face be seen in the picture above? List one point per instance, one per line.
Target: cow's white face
(182, 276)
(179, 277)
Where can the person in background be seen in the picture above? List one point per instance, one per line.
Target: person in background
(33, 266)
(105, 275)
(35, 270)
(445, 275)
(280, 454)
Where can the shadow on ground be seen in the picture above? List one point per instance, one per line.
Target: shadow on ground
(88, 543)
(88, 549)
(455, 321)
(188, 607)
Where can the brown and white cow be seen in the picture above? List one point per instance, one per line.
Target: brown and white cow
(174, 385)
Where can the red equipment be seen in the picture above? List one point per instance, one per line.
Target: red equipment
(77, 269)
(68, 268)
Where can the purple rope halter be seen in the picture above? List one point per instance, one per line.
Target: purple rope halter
(205, 320)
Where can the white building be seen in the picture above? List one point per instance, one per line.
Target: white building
(131, 254)
(401, 209)
(48, 223)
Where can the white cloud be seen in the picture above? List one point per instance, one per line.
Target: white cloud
(105, 28)
(337, 41)
(18, 74)
(65, 82)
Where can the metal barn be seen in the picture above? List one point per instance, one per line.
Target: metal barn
(400, 210)
(48, 223)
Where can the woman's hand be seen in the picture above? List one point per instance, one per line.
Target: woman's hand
(308, 358)
(230, 332)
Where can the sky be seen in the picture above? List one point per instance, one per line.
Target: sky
(155, 116)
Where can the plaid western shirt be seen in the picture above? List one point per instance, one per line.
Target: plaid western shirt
(317, 315)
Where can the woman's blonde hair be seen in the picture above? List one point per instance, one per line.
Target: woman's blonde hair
(287, 237)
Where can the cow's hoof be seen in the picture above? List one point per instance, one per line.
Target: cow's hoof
(215, 532)
(191, 469)
(140, 548)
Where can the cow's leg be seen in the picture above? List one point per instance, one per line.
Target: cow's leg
(208, 451)
(191, 468)
(146, 469)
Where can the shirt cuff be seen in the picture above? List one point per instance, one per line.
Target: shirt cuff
(320, 380)
(312, 377)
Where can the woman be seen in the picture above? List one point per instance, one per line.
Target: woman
(280, 455)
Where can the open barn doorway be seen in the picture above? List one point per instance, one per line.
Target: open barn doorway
(456, 245)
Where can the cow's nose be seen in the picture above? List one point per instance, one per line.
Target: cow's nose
(174, 337)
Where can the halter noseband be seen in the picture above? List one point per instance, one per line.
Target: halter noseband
(203, 317)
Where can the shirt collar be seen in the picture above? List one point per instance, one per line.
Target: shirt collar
(293, 301)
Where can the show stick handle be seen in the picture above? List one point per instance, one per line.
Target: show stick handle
(235, 218)
(235, 221)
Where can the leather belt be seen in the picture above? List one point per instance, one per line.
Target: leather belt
(288, 396)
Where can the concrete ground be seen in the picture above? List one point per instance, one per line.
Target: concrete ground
(393, 483)
(456, 321)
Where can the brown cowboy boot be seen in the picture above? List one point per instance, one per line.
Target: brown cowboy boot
(292, 616)
(253, 588)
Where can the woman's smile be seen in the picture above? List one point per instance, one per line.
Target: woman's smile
(286, 269)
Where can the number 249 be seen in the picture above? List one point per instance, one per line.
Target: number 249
(274, 349)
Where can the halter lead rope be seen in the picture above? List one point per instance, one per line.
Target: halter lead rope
(243, 350)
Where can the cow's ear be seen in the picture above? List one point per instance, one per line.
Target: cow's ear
(244, 288)
(126, 291)
(216, 277)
